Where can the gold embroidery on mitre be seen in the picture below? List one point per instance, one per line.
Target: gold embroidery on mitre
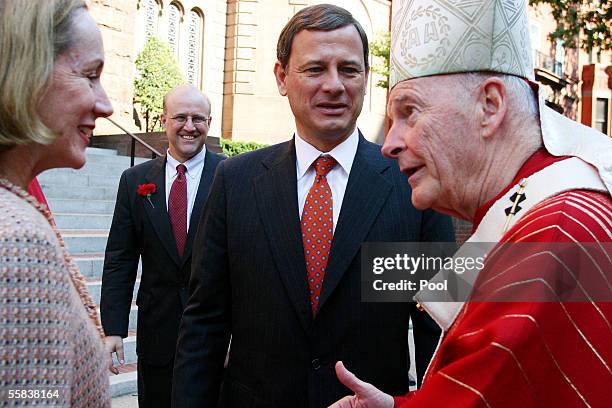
(449, 36)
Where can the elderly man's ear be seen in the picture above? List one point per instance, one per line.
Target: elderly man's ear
(492, 106)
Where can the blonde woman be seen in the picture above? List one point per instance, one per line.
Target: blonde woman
(51, 58)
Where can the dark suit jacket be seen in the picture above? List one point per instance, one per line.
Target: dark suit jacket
(141, 229)
(249, 280)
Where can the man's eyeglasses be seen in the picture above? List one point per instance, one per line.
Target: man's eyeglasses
(196, 119)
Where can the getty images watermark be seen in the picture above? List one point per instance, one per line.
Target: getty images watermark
(525, 272)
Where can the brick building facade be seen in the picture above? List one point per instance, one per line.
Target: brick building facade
(228, 49)
(195, 29)
(596, 106)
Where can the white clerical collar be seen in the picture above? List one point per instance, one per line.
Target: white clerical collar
(344, 153)
(191, 164)
(562, 176)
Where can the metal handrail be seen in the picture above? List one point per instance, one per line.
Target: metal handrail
(545, 61)
(134, 139)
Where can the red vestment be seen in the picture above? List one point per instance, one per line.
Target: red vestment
(533, 354)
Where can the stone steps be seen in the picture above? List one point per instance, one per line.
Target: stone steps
(85, 241)
(78, 180)
(95, 286)
(90, 264)
(133, 316)
(82, 203)
(113, 160)
(101, 152)
(80, 220)
(129, 349)
(67, 206)
(79, 193)
(125, 382)
(114, 165)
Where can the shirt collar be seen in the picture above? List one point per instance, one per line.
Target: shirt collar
(344, 153)
(191, 164)
(536, 162)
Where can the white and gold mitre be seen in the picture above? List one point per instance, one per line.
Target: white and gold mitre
(432, 37)
(436, 37)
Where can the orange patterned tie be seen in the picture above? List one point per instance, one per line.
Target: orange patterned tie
(317, 228)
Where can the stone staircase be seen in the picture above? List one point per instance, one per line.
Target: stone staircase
(82, 202)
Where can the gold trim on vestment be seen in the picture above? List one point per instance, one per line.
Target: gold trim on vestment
(569, 382)
(518, 363)
(566, 313)
(474, 390)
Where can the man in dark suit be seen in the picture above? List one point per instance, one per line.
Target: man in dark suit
(158, 226)
(266, 269)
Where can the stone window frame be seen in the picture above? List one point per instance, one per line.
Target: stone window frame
(194, 48)
(176, 45)
(151, 30)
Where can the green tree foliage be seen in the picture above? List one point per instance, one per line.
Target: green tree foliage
(380, 48)
(583, 21)
(157, 73)
(233, 148)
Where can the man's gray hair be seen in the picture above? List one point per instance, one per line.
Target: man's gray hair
(521, 96)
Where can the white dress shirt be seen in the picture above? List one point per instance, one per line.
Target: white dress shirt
(337, 178)
(193, 175)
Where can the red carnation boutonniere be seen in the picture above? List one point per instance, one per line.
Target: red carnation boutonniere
(145, 190)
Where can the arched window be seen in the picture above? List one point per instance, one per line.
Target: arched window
(194, 47)
(151, 16)
(174, 29)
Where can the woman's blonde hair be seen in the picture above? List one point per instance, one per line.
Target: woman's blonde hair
(32, 35)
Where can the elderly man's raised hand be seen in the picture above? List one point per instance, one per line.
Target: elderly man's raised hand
(366, 395)
(114, 344)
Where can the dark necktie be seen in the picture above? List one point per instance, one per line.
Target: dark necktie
(177, 208)
(318, 228)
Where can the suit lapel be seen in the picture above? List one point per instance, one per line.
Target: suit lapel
(208, 172)
(158, 213)
(276, 198)
(366, 192)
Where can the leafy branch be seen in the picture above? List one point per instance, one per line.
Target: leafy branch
(380, 49)
(157, 73)
(586, 22)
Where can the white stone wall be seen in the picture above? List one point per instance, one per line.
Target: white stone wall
(123, 29)
(116, 21)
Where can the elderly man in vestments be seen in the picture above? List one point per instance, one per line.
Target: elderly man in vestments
(472, 133)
